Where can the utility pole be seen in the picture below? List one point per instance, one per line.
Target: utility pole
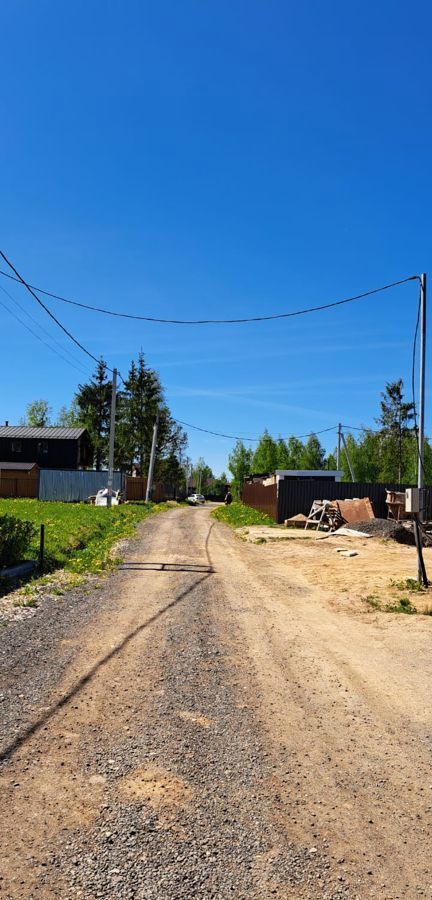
(112, 437)
(338, 446)
(421, 572)
(348, 456)
(149, 488)
(420, 467)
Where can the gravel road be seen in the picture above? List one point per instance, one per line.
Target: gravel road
(206, 725)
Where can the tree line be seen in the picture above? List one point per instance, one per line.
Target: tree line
(139, 399)
(388, 453)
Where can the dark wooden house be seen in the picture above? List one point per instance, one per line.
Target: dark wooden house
(50, 448)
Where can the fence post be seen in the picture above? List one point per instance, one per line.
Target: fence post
(42, 546)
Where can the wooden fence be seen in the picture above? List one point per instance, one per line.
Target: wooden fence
(21, 485)
(136, 490)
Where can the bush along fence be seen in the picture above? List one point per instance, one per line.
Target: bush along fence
(295, 497)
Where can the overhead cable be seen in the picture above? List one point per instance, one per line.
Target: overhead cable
(39, 338)
(47, 310)
(69, 358)
(242, 321)
(236, 437)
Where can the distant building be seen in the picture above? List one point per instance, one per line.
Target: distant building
(295, 475)
(50, 448)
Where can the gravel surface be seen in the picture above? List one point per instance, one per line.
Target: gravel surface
(389, 530)
(177, 736)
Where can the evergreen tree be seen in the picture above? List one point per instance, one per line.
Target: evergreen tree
(94, 403)
(265, 458)
(395, 426)
(283, 455)
(295, 452)
(313, 455)
(138, 405)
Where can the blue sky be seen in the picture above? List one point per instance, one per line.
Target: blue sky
(218, 160)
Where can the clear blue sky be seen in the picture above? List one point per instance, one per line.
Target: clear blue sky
(218, 159)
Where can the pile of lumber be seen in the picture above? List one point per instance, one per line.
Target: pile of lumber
(332, 514)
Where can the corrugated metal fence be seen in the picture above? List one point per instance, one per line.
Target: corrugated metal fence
(70, 486)
(298, 496)
(262, 498)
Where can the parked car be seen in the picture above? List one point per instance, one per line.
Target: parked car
(102, 495)
(195, 499)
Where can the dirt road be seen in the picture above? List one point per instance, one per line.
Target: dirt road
(209, 726)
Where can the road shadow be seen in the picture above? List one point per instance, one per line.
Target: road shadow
(33, 729)
(135, 566)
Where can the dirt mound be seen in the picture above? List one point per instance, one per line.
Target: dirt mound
(389, 530)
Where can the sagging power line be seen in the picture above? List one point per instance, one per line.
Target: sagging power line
(239, 321)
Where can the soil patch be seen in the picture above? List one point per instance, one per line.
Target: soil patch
(389, 530)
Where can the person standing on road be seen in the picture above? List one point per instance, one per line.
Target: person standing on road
(228, 498)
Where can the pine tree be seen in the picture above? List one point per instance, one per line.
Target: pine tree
(313, 455)
(395, 421)
(94, 403)
(283, 456)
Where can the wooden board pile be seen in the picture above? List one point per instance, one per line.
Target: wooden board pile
(332, 514)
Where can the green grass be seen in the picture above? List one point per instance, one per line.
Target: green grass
(410, 584)
(404, 605)
(79, 537)
(238, 514)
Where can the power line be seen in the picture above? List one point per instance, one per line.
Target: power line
(39, 338)
(236, 437)
(285, 315)
(72, 361)
(47, 310)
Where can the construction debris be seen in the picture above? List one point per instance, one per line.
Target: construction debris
(396, 505)
(332, 514)
(325, 514)
(357, 510)
(348, 553)
(388, 530)
(298, 521)
(348, 531)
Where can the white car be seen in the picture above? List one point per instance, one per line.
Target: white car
(102, 497)
(194, 499)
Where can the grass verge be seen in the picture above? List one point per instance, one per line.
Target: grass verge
(79, 537)
(238, 514)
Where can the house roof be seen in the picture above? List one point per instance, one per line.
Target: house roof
(17, 466)
(52, 433)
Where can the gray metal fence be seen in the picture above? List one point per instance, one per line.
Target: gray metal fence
(73, 486)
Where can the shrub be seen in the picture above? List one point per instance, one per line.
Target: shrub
(15, 538)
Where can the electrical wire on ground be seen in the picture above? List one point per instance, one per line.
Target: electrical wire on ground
(240, 321)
